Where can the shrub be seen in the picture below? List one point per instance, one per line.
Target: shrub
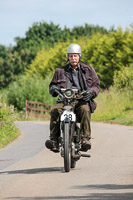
(30, 88)
(124, 78)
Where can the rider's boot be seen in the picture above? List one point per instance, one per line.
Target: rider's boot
(53, 145)
(85, 144)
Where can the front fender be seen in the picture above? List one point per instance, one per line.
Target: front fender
(67, 120)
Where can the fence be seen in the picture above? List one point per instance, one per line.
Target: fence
(37, 108)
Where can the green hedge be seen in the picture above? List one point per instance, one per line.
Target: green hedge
(30, 88)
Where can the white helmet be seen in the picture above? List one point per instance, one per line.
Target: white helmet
(74, 48)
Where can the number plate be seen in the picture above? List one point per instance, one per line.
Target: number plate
(68, 114)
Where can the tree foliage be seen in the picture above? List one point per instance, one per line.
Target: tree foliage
(44, 46)
(16, 60)
(106, 53)
(10, 66)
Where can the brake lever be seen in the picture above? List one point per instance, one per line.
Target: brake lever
(59, 93)
(80, 95)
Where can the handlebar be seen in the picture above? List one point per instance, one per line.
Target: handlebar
(73, 89)
(59, 93)
(78, 94)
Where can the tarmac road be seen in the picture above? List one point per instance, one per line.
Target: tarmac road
(31, 172)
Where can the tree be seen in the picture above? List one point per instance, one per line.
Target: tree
(42, 35)
(106, 53)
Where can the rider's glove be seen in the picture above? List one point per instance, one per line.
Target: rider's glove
(53, 89)
(89, 93)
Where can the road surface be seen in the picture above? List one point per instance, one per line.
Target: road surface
(28, 171)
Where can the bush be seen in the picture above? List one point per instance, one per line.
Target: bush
(30, 88)
(124, 78)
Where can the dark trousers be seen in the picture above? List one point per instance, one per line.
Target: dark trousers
(82, 111)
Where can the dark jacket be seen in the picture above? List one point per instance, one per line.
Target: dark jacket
(62, 77)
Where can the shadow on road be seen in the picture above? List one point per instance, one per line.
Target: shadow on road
(105, 187)
(91, 196)
(114, 194)
(34, 171)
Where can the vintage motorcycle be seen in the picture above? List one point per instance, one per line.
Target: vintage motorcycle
(70, 140)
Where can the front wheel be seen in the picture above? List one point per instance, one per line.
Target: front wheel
(67, 147)
(73, 163)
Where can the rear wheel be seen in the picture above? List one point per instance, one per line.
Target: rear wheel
(67, 147)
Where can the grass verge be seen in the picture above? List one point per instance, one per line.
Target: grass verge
(8, 132)
(114, 107)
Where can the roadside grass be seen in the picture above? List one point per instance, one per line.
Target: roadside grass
(20, 116)
(114, 107)
(8, 131)
(125, 119)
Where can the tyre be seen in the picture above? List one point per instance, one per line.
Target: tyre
(73, 163)
(67, 147)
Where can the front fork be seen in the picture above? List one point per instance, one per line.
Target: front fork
(74, 137)
(61, 140)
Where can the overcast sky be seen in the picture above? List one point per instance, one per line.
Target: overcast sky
(16, 16)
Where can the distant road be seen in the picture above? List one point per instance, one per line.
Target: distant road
(31, 172)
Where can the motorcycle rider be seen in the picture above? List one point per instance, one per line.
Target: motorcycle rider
(78, 75)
